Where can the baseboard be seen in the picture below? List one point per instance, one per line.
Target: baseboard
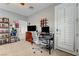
(71, 52)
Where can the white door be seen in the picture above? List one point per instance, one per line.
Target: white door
(59, 20)
(65, 26)
(23, 29)
(69, 26)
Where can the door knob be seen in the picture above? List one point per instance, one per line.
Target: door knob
(57, 30)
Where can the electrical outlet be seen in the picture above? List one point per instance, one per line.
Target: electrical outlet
(77, 35)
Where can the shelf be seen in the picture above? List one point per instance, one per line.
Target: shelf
(3, 37)
(4, 27)
(3, 32)
(4, 22)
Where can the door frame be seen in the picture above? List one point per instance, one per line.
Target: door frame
(78, 29)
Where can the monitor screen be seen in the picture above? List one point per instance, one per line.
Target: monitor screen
(31, 28)
(45, 29)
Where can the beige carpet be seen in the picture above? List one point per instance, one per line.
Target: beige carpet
(24, 48)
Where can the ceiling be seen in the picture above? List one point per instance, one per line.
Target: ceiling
(26, 10)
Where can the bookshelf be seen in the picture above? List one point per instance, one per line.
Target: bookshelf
(4, 29)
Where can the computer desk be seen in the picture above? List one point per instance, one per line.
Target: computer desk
(49, 38)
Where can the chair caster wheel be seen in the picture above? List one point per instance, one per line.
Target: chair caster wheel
(41, 51)
(34, 52)
(32, 48)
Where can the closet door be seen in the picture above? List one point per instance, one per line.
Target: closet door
(65, 26)
(69, 26)
(59, 22)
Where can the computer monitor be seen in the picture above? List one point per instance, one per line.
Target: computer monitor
(45, 29)
(31, 28)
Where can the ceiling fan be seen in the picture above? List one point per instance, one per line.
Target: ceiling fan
(22, 4)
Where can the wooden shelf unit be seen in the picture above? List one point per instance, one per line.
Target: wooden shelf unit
(4, 28)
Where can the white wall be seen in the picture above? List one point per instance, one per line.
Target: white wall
(11, 15)
(48, 13)
(33, 19)
(21, 19)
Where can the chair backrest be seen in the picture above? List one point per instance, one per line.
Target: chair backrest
(35, 37)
